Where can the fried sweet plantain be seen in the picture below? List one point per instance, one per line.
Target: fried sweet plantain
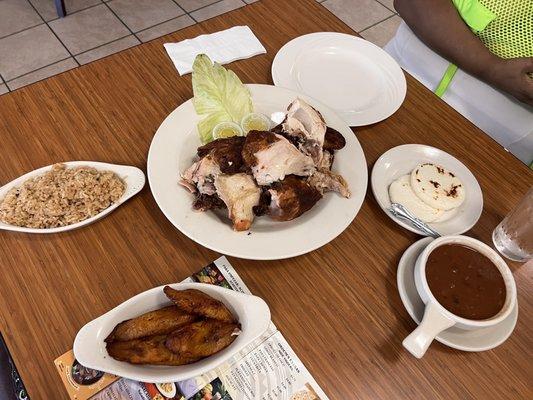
(202, 338)
(147, 350)
(158, 322)
(196, 302)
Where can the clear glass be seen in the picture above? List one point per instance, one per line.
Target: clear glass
(513, 237)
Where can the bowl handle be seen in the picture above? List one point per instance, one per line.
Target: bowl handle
(432, 324)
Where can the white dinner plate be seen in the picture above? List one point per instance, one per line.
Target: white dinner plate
(173, 149)
(401, 160)
(132, 176)
(354, 77)
(90, 349)
(466, 340)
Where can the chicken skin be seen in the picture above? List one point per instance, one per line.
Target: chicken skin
(271, 157)
(290, 198)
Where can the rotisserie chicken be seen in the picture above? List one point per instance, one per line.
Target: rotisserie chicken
(281, 173)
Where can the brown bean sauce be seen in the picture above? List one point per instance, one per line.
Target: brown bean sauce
(465, 282)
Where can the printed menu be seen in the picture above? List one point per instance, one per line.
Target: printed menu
(267, 369)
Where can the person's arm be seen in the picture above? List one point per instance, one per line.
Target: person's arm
(438, 24)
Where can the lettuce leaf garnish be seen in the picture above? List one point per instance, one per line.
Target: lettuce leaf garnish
(219, 94)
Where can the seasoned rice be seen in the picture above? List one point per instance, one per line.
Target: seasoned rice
(60, 197)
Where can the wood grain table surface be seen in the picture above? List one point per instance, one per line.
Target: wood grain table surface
(338, 306)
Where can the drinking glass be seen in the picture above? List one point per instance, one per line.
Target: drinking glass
(513, 237)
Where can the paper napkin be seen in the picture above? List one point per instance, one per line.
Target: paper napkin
(236, 43)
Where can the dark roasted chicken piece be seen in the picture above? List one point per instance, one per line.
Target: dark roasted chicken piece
(226, 152)
(198, 303)
(271, 157)
(202, 339)
(288, 199)
(158, 322)
(333, 140)
(147, 350)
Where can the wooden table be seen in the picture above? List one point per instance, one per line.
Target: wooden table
(338, 306)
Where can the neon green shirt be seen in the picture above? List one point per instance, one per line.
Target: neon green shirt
(504, 26)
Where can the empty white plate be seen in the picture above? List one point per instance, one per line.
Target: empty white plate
(472, 340)
(132, 176)
(402, 159)
(356, 78)
(90, 349)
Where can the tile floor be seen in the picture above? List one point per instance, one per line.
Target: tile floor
(36, 44)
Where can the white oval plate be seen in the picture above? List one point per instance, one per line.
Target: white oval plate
(173, 149)
(132, 176)
(402, 159)
(466, 340)
(356, 78)
(90, 349)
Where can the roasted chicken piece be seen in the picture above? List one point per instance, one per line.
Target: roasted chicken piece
(221, 156)
(308, 125)
(200, 176)
(147, 350)
(326, 181)
(271, 157)
(198, 303)
(333, 140)
(226, 152)
(202, 339)
(158, 322)
(290, 198)
(240, 194)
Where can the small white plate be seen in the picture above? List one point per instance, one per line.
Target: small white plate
(467, 340)
(132, 176)
(173, 150)
(90, 349)
(356, 78)
(401, 160)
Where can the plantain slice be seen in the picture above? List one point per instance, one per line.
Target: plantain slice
(158, 322)
(193, 301)
(147, 350)
(202, 338)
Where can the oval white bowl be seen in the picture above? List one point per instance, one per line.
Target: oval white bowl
(90, 349)
(132, 176)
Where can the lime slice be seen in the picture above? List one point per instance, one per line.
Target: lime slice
(226, 130)
(255, 122)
